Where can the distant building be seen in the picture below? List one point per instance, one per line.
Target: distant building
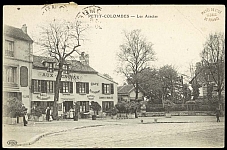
(127, 93)
(17, 64)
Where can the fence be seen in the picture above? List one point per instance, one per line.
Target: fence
(179, 107)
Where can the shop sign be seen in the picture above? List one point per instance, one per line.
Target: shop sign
(94, 91)
(106, 97)
(64, 76)
(91, 97)
(92, 84)
(43, 96)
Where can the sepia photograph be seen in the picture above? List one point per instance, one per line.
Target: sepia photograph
(113, 76)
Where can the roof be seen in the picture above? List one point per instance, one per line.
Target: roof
(106, 78)
(76, 66)
(125, 89)
(16, 33)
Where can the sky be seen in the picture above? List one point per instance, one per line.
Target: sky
(177, 33)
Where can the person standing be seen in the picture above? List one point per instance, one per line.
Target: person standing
(218, 113)
(25, 119)
(48, 114)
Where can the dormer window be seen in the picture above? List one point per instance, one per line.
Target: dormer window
(65, 68)
(50, 66)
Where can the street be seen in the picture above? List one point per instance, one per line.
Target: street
(202, 134)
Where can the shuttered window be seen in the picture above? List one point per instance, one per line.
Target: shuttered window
(107, 88)
(66, 87)
(82, 87)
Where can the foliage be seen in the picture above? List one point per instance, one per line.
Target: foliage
(38, 110)
(95, 106)
(14, 108)
(212, 65)
(113, 111)
(134, 56)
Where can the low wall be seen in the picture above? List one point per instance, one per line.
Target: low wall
(180, 113)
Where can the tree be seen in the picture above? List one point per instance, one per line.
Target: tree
(168, 77)
(134, 56)
(213, 67)
(60, 39)
(95, 107)
(186, 92)
(14, 108)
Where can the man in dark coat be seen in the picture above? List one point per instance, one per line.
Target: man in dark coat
(48, 114)
(218, 113)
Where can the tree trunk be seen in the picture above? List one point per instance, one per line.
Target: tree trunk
(56, 92)
(137, 91)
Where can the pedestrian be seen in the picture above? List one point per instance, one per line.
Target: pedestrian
(48, 114)
(25, 118)
(218, 113)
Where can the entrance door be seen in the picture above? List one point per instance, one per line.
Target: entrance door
(67, 105)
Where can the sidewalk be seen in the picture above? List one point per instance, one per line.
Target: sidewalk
(35, 130)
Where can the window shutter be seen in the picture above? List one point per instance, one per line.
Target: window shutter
(87, 106)
(112, 88)
(61, 87)
(77, 87)
(87, 87)
(43, 86)
(102, 88)
(71, 87)
(32, 86)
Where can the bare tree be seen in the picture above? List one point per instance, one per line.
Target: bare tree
(213, 56)
(60, 39)
(134, 56)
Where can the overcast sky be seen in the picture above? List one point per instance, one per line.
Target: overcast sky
(177, 33)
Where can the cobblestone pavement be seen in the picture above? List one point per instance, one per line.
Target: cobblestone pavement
(201, 134)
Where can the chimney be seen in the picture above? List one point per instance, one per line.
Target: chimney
(84, 58)
(24, 28)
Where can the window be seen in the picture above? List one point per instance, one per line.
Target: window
(37, 85)
(84, 106)
(9, 49)
(50, 67)
(107, 88)
(65, 69)
(107, 105)
(66, 87)
(82, 87)
(42, 86)
(11, 74)
(50, 86)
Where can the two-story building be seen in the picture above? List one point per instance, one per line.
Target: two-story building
(17, 64)
(79, 83)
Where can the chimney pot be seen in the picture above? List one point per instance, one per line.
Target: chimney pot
(24, 28)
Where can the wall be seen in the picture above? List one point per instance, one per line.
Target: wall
(132, 95)
(22, 57)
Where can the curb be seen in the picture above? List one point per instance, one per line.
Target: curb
(37, 137)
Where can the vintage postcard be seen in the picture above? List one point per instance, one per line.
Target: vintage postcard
(112, 76)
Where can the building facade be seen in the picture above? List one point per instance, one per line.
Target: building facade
(17, 64)
(127, 93)
(79, 83)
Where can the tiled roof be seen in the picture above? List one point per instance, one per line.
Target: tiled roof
(125, 89)
(16, 33)
(76, 66)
